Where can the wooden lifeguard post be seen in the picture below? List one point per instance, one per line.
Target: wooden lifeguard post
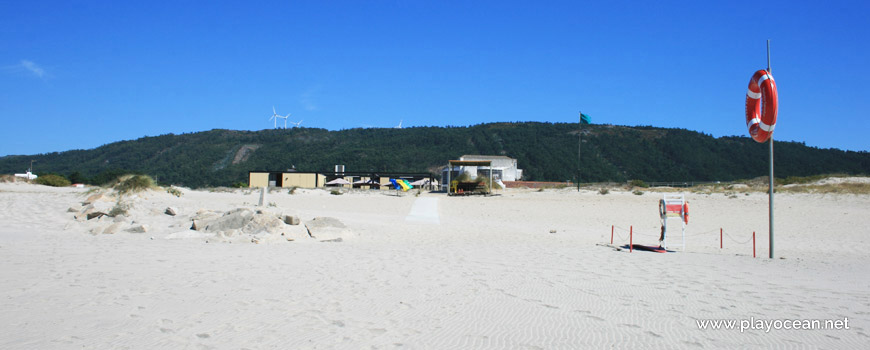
(673, 206)
(464, 188)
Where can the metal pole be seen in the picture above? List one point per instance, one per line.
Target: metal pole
(771, 166)
(449, 170)
(579, 143)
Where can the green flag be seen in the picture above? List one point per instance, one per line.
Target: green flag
(585, 119)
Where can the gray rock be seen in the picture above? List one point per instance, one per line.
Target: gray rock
(138, 229)
(326, 229)
(238, 221)
(112, 229)
(171, 211)
(291, 220)
(95, 214)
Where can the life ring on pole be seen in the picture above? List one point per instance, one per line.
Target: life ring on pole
(686, 212)
(662, 209)
(761, 106)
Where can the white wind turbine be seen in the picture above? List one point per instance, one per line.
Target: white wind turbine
(275, 117)
(399, 126)
(296, 123)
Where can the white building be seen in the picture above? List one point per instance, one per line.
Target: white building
(503, 168)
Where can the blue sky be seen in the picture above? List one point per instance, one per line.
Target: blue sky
(80, 74)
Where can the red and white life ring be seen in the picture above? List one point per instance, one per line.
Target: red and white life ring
(761, 106)
(686, 212)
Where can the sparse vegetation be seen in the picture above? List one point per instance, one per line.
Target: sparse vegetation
(134, 183)
(841, 188)
(240, 184)
(637, 192)
(603, 191)
(52, 180)
(119, 209)
(804, 179)
(637, 183)
(174, 191)
(292, 190)
(335, 192)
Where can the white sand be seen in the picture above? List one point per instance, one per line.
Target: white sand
(432, 272)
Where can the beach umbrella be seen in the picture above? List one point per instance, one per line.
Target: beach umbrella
(367, 182)
(338, 181)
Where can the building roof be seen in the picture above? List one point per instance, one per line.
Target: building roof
(470, 162)
(484, 156)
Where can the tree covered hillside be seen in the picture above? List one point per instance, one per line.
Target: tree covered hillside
(546, 152)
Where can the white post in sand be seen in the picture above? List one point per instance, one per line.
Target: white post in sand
(262, 196)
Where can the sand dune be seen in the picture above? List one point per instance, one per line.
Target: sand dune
(524, 269)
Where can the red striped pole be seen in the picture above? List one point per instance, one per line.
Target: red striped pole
(720, 238)
(630, 238)
(611, 234)
(753, 244)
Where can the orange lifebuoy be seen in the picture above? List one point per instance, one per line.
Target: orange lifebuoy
(686, 212)
(761, 106)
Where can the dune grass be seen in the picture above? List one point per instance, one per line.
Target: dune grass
(134, 183)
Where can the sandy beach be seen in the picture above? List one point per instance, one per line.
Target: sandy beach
(520, 270)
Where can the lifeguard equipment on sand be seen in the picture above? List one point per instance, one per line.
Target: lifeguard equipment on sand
(673, 206)
(761, 106)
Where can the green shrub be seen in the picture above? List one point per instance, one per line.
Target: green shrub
(637, 193)
(174, 191)
(638, 183)
(603, 190)
(134, 183)
(53, 180)
(240, 184)
(335, 192)
(292, 190)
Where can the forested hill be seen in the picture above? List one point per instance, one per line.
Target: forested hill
(546, 152)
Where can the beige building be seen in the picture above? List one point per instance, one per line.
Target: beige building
(285, 179)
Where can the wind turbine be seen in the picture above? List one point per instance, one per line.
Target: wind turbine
(285, 119)
(275, 117)
(296, 123)
(399, 126)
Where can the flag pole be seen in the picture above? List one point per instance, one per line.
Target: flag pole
(579, 143)
(770, 209)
